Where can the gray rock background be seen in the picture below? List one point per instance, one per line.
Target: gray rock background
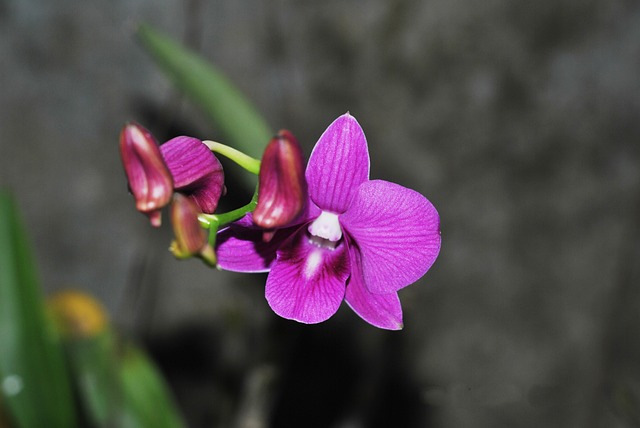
(518, 120)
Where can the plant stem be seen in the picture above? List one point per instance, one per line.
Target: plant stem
(209, 221)
(247, 162)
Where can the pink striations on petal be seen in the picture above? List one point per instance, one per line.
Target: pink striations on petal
(307, 282)
(196, 171)
(397, 231)
(338, 164)
(379, 310)
(240, 247)
(207, 191)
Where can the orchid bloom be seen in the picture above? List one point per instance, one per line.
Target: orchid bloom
(358, 240)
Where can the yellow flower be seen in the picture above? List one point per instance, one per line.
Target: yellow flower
(77, 315)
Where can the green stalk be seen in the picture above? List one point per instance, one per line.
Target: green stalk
(209, 221)
(247, 162)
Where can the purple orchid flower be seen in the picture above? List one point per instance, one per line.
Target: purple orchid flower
(358, 240)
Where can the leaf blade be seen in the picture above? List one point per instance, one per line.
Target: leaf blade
(204, 84)
(36, 388)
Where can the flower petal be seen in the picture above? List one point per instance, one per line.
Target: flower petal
(397, 231)
(207, 191)
(307, 282)
(379, 310)
(196, 171)
(338, 164)
(240, 247)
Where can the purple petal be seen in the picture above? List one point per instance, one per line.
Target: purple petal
(379, 310)
(207, 191)
(307, 282)
(196, 171)
(397, 231)
(240, 247)
(338, 164)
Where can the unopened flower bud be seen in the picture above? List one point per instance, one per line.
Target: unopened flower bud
(191, 238)
(196, 171)
(149, 178)
(282, 188)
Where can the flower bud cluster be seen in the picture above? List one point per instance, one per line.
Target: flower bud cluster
(183, 172)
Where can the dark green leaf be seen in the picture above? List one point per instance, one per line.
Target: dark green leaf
(33, 376)
(238, 120)
(119, 386)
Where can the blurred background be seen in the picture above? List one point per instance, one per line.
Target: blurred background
(518, 120)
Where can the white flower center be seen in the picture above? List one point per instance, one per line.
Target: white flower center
(326, 226)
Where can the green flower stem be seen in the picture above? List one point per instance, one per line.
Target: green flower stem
(247, 162)
(213, 234)
(208, 221)
(216, 221)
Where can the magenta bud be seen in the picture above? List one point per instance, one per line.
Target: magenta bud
(282, 188)
(191, 238)
(196, 171)
(149, 178)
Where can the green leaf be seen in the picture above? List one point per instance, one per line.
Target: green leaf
(34, 381)
(119, 386)
(237, 118)
(94, 372)
(145, 392)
